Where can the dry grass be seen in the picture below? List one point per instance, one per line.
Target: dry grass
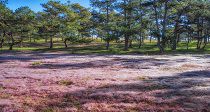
(144, 78)
(4, 96)
(180, 68)
(190, 66)
(1, 87)
(37, 63)
(65, 82)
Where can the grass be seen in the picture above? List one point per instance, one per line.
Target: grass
(144, 78)
(115, 48)
(65, 82)
(1, 87)
(37, 63)
(4, 96)
(72, 101)
(48, 109)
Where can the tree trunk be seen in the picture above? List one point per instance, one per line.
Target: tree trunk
(198, 42)
(107, 45)
(141, 28)
(178, 39)
(51, 42)
(11, 47)
(188, 40)
(174, 40)
(164, 23)
(158, 31)
(130, 44)
(21, 43)
(65, 42)
(150, 39)
(30, 39)
(107, 23)
(126, 33)
(140, 41)
(143, 37)
(2, 42)
(12, 44)
(205, 43)
(126, 42)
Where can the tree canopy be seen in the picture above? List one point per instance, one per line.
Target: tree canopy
(168, 22)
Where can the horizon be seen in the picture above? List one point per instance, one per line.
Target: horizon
(35, 5)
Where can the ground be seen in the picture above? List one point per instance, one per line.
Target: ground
(56, 81)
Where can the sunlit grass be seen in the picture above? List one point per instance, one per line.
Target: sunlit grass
(98, 47)
(36, 63)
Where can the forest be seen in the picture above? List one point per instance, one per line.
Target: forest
(166, 23)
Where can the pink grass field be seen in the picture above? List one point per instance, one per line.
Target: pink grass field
(59, 82)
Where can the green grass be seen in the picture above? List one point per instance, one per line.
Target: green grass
(115, 48)
(36, 63)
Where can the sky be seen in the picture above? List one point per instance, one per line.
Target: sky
(35, 4)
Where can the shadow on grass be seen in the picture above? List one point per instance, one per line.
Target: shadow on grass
(118, 49)
(91, 51)
(99, 49)
(184, 92)
(116, 62)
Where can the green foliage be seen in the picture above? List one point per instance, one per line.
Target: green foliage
(24, 15)
(85, 40)
(167, 22)
(105, 16)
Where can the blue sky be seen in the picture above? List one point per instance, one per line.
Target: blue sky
(35, 4)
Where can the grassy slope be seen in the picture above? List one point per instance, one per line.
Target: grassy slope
(99, 48)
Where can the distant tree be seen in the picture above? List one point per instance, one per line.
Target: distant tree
(106, 9)
(51, 19)
(75, 23)
(83, 19)
(7, 21)
(25, 22)
(126, 8)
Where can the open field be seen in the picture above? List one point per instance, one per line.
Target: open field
(105, 56)
(58, 81)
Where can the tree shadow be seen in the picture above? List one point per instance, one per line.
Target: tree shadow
(141, 63)
(18, 58)
(32, 56)
(90, 64)
(187, 91)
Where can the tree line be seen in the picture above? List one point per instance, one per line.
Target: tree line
(169, 22)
